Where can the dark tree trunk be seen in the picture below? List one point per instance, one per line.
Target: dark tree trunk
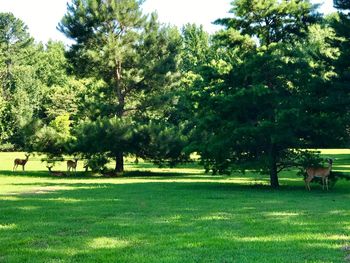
(119, 160)
(118, 89)
(273, 168)
(119, 163)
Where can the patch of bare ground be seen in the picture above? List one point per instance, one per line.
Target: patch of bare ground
(39, 190)
(346, 248)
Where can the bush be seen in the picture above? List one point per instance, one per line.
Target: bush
(7, 147)
(97, 162)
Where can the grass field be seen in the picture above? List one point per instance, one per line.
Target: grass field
(171, 215)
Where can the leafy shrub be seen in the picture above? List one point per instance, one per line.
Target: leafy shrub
(7, 147)
(97, 162)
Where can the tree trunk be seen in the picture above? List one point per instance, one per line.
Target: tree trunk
(119, 163)
(118, 89)
(273, 168)
(119, 160)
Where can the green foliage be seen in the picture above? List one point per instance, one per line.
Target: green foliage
(271, 21)
(341, 24)
(96, 162)
(342, 4)
(196, 49)
(163, 144)
(253, 96)
(53, 139)
(60, 92)
(14, 44)
(131, 58)
(52, 64)
(6, 147)
(258, 102)
(34, 84)
(16, 105)
(110, 135)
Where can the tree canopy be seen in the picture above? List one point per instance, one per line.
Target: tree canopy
(267, 94)
(131, 53)
(257, 94)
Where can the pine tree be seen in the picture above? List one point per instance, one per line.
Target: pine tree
(130, 52)
(342, 4)
(266, 96)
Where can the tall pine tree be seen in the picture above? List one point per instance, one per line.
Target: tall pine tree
(267, 95)
(130, 52)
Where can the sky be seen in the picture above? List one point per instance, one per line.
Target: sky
(43, 16)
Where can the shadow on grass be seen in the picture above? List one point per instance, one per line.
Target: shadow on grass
(158, 174)
(188, 183)
(173, 222)
(186, 219)
(46, 174)
(90, 175)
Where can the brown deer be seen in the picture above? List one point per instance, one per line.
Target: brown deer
(20, 162)
(54, 173)
(318, 172)
(72, 165)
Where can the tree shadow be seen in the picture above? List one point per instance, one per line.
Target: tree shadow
(91, 175)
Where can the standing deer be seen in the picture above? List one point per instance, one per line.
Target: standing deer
(72, 165)
(318, 172)
(20, 162)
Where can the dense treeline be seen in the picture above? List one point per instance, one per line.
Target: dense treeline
(273, 82)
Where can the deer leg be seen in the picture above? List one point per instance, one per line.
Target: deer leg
(323, 183)
(14, 167)
(307, 184)
(327, 183)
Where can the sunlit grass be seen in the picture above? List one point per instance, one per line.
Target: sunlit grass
(7, 227)
(176, 215)
(334, 151)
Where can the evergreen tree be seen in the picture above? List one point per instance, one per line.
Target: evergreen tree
(341, 24)
(131, 53)
(267, 93)
(342, 4)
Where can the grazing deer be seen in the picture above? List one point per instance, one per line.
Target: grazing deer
(54, 173)
(72, 165)
(20, 162)
(318, 172)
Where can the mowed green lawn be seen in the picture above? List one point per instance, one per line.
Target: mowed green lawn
(170, 215)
